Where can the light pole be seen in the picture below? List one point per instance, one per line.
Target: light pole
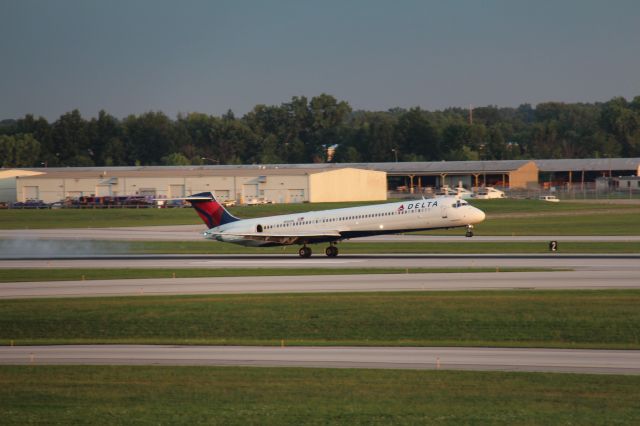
(395, 152)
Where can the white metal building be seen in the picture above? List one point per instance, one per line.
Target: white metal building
(280, 185)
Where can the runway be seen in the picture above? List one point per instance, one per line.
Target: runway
(445, 358)
(590, 280)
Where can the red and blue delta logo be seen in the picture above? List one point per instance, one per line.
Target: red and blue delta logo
(401, 208)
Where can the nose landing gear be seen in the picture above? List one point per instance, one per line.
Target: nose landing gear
(469, 233)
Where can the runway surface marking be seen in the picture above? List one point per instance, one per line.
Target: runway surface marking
(445, 358)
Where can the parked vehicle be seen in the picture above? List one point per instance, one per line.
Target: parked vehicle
(549, 198)
(458, 191)
(256, 201)
(30, 204)
(488, 192)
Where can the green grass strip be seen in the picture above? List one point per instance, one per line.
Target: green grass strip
(517, 318)
(23, 275)
(288, 396)
(73, 274)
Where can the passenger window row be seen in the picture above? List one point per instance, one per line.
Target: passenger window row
(364, 216)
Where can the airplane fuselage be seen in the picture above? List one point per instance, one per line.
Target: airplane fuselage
(339, 224)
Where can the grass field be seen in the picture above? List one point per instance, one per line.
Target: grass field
(283, 396)
(71, 274)
(511, 206)
(565, 319)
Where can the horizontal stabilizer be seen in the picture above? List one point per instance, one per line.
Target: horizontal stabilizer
(191, 198)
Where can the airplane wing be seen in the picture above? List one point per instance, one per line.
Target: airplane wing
(280, 238)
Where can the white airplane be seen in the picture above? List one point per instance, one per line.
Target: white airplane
(334, 225)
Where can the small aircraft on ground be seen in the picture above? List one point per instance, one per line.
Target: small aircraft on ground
(331, 226)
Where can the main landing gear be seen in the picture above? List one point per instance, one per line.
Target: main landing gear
(469, 233)
(331, 251)
(304, 251)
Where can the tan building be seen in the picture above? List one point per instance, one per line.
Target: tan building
(347, 185)
(243, 183)
(9, 183)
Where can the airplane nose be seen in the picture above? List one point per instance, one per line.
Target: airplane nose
(479, 216)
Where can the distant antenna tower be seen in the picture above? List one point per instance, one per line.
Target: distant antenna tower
(470, 114)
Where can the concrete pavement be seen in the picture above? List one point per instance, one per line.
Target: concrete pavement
(445, 358)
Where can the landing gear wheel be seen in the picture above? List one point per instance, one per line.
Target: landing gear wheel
(469, 233)
(304, 252)
(331, 251)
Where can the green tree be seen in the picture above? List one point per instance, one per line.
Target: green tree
(41, 131)
(175, 159)
(69, 139)
(106, 145)
(148, 137)
(328, 116)
(622, 121)
(19, 151)
(416, 135)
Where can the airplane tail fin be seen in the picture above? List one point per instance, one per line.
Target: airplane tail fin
(210, 210)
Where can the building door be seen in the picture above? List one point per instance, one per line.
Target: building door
(250, 190)
(221, 194)
(103, 190)
(176, 191)
(31, 193)
(296, 195)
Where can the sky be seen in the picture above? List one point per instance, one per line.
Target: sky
(133, 56)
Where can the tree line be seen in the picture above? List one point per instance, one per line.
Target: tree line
(302, 130)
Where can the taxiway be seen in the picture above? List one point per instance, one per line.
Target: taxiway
(444, 358)
(591, 280)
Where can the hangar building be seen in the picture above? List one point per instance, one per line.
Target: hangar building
(521, 174)
(580, 171)
(240, 183)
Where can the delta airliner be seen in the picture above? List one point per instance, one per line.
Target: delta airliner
(331, 226)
